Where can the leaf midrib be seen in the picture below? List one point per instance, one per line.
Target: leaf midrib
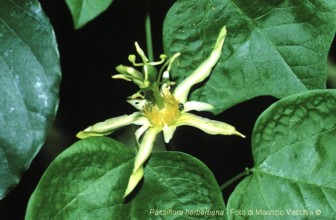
(91, 185)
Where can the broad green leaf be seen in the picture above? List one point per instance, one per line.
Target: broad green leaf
(83, 11)
(88, 180)
(275, 48)
(85, 181)
(30, 77)
(294, 154)
(180, 185)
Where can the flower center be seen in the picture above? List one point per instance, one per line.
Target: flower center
(165, 116)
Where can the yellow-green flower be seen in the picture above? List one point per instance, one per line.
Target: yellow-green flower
(159, 109)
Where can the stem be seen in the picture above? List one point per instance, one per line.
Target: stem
(246, 172)
(149, 34)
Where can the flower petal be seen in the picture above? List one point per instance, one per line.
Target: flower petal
(146, 147)
(110, 125)
(143, 154)
(203, 71)
(207, 125)
(168, 132)
(197, 106)
(134, 180)
(138, 103)
(140, 131)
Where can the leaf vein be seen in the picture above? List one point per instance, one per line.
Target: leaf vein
(90, 186)
(253, 24)
(293, 180)
(297, 141)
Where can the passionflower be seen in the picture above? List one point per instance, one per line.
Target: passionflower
(160, 108)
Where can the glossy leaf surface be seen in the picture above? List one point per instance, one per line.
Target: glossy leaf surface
(88, 181)
(30, 77)
(83, 11)
(273, 48)
(294, 153)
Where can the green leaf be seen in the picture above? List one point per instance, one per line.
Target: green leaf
(85, 181)
(178, 182)
(30, 77)
(83, 11)
(88, 180)
(294, 154)
(275, 48)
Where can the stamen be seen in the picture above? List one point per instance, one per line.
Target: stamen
(162, 59)
(132, 59)
(169, 63)
(172, 59)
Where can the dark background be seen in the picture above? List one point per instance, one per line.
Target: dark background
(89, 95)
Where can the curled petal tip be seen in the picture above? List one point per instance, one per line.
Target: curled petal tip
(110, 125)
(223, 32)
(80, 135)
(240, 134)
(133, 181)
(209, 126)
(168, 132)
(204, 70)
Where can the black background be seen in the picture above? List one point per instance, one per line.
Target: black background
(88, 94)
